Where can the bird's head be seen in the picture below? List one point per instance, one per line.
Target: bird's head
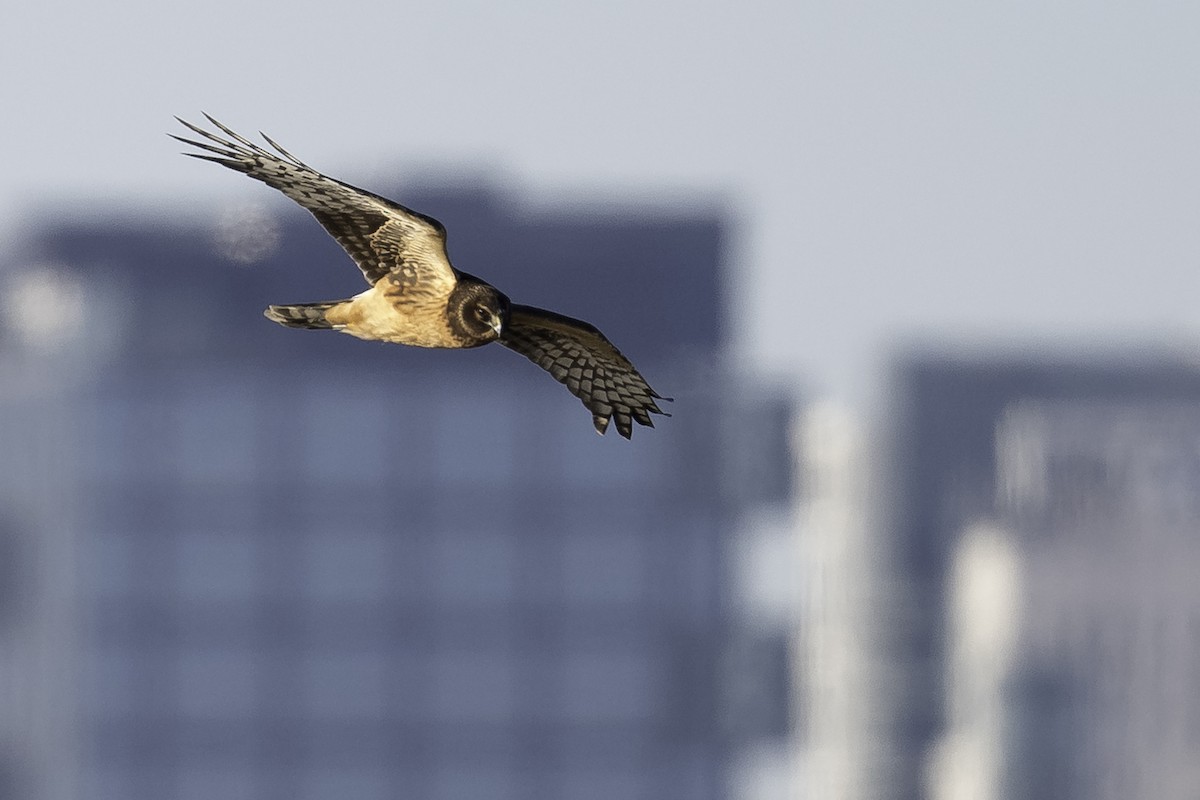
(478, 312)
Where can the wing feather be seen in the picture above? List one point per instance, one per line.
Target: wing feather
(385, 239)
(579, 356)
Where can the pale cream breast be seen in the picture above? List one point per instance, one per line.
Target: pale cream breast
(414, 318)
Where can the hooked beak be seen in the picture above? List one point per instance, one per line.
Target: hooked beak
(496, 324)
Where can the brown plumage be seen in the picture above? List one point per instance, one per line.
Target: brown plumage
(416, 297)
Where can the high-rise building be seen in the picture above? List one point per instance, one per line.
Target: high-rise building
(1047, 529)
(242, 561)
(850, 686)
(846, 685)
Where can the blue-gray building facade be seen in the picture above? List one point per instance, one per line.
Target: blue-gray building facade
(1089, 466)
(291, 564)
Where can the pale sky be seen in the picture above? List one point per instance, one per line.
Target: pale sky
(1009, 169)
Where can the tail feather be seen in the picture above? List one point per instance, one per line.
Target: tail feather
(306, 315)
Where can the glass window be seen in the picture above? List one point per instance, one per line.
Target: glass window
(345, 685)
(217, 683)
(105, 782)
(608, 686)
(359, 783)
(129, 435)
(216, 566)
(208, 781)
(111, 681)
(458, 781)
(349, 566)
(473, 686)
(686, 558)
(106, 452)
(347, 435)
(586, 461)
(474, 567)
(215, 430)
(110, 556)
(475, 436)
(229, 508)
(591, 763)
(602, 784)
(604, 567)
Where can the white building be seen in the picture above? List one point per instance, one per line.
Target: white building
(849, 613)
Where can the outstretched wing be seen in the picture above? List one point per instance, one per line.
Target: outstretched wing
(384, 238)
(581, 358)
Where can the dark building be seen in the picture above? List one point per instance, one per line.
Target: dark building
(1091, 468)
(288, 564)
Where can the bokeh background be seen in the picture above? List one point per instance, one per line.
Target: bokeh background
(920, 276)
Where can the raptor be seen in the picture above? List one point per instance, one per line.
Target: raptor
(416, 297)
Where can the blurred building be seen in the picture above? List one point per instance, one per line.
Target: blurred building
(846, 686)
(1047, 518)
(1001, 602)
(242, 561)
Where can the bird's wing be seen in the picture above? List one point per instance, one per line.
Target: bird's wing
(384, 238)
(581, 358)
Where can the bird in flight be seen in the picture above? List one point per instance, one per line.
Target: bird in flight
(417, 297)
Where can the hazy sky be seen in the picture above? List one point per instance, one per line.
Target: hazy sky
(1024, 169)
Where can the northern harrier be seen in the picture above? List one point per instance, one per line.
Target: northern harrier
(418, 298)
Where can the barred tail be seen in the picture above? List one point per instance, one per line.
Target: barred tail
(307, 315)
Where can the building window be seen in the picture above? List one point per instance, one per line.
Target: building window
(585, 461)
(217, 567)
(474, 567)
(466, 781)
(340, 685)
(359, 783)
(609, 686)
(474, 686)
(111, 681)
(604, 566)
(347, 431)
(217, 683)
(210, 780)
(353, 566)
(592, 783)
(215, 425)
(475, 437)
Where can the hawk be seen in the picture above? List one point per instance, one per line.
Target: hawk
(416, 297)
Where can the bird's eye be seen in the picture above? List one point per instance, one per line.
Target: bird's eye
(481, 312)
